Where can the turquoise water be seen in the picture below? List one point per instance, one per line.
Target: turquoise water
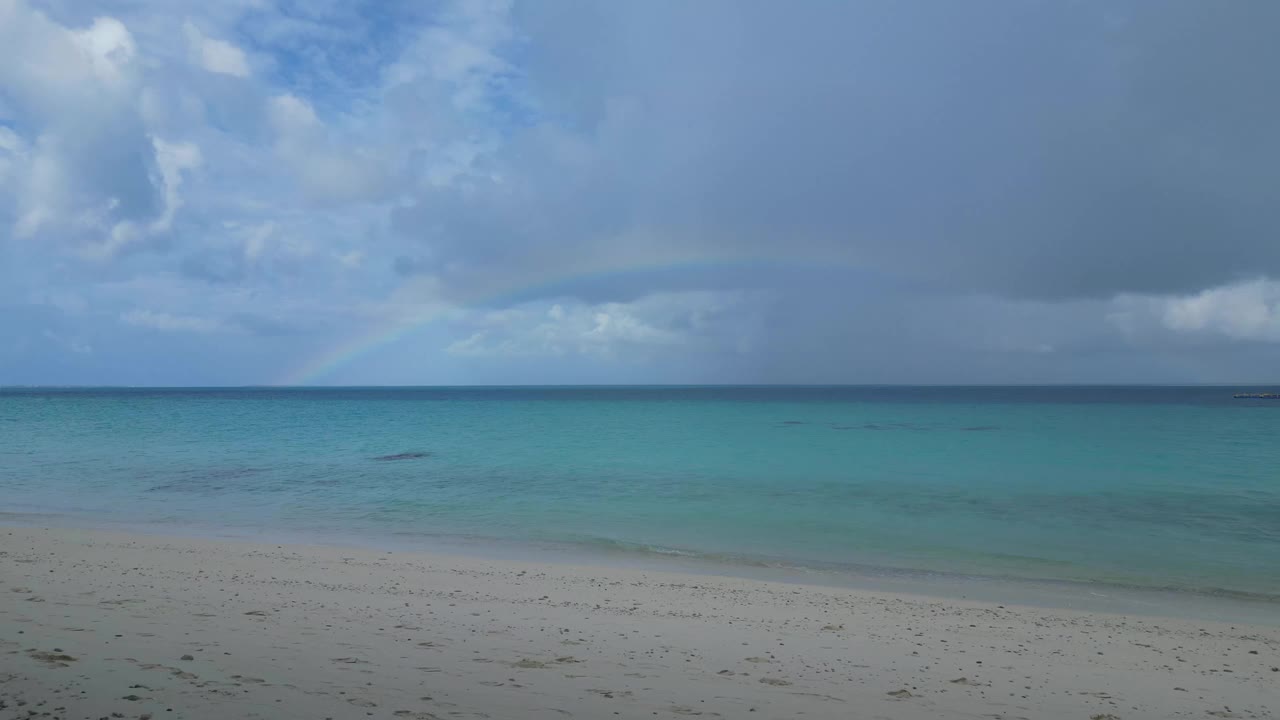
(1148, 487)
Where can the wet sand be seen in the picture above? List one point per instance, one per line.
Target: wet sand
(105, 625)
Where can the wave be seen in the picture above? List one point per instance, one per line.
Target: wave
(844, 571)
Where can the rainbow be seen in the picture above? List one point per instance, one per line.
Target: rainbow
(392, 331)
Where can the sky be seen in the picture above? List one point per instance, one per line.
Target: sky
(338, 192)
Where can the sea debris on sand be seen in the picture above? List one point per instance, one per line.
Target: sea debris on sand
(55, 659)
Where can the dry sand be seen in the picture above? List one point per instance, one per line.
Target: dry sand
(101, 625)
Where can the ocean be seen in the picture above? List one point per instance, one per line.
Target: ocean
(1137, 487)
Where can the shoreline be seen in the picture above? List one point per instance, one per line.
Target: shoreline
(1045, 593)
(95, 622)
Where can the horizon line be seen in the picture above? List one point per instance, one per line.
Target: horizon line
(4, 386)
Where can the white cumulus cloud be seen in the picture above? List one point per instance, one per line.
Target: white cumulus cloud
(1243, 311)
(95, 178)
(1246, 310)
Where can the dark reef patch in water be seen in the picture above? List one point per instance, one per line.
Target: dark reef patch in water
(206, 480)
(403, 456)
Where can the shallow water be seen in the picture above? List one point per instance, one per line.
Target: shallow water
(1175, 488)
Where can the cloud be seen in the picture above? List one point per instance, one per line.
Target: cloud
(94, 175)
(13, 159)
(329, 168)
(1055, 153)
(169, 323)
(70, 344)
(216, 56)
(172, 161)
(687, 322)
(262, 325)
(460, 55)
(352, 259)
(1247, 310)
(109, 49)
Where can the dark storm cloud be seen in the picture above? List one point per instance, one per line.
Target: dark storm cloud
(1042, 150)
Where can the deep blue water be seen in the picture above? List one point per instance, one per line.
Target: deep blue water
(1141, 486)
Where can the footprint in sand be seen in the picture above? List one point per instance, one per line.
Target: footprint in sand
(774, 681)
(415, 715)
(361, 702)
(759, 660)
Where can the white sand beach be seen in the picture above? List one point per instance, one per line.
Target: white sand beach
(107, 625)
